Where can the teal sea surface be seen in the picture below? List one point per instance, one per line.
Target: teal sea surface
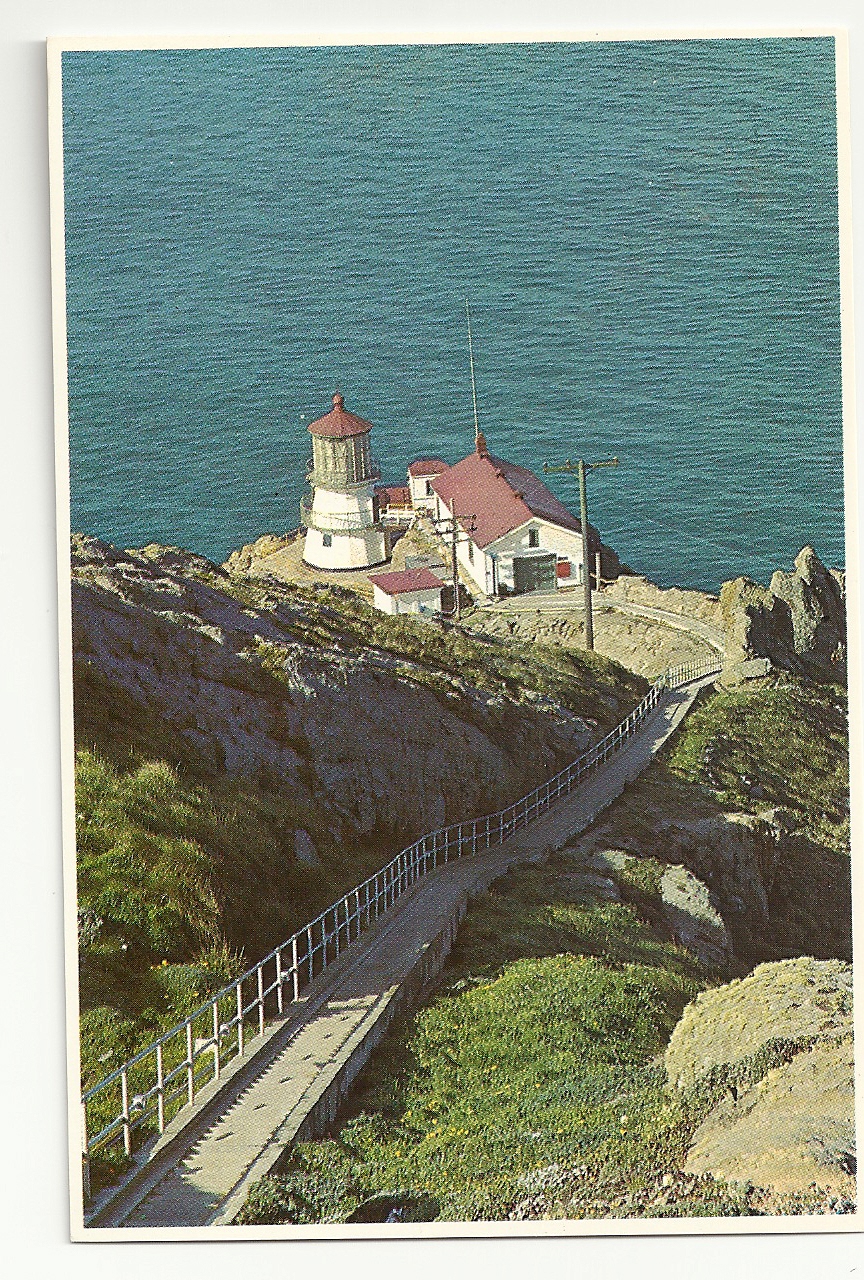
(647, 232)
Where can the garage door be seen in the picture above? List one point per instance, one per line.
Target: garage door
(535, 573)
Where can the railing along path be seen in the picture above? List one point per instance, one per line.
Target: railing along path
(146, 1092)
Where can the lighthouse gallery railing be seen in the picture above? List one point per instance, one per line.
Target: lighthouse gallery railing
(153, 1086)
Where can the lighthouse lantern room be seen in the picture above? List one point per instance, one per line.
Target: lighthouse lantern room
(343, 529)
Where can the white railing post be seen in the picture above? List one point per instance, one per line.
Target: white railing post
(217, 1061)
(190, 1065)
(261, 999)
(239, 1019)
(279, 1008)
(124, 1102)
(295, 975)
(309, 952)
(160, 1089)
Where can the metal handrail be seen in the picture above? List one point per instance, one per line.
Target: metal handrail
(295, 962)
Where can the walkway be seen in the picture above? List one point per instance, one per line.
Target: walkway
(202, 1173)
(571, 600)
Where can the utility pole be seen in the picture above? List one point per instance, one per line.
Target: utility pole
(583, 467)
(457, 603)
(452, 528)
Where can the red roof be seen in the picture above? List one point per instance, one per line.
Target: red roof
(396, 584)
(500, 496)
(395, 495)
(426, 467)
(339, 423)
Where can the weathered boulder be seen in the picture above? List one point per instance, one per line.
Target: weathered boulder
(773, 1055)
(793, 1128)
(693, 916)
(799, 622)
(816, 601)
(733, 854)
(795, 1001)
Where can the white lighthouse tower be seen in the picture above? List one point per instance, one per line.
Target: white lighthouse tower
(343, 530)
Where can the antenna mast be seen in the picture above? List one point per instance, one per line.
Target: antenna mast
(473, 383)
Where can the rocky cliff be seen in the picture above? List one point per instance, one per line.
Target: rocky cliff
(273, 683)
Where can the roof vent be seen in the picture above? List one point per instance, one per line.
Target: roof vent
(338, 400)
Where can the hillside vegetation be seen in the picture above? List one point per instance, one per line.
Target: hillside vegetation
(246, 751)
(533, 1084)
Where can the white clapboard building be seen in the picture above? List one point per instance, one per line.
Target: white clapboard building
(407, 591)
(516, 535)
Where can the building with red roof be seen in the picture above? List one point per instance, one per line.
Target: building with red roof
(407, 591)
(516, 535)
(394, 503)
(421, 473)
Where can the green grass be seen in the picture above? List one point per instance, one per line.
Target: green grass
(517, 1064)
(536, 1064)
(783, 743)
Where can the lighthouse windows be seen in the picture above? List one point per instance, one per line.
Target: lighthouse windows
(327, 539)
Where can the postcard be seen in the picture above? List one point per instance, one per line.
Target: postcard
(456, 492)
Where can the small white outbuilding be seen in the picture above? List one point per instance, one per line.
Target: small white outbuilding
(415, 591)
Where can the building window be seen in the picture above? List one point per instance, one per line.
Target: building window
(533, 537)
(428, 488)
(327, 539)
(471, 552)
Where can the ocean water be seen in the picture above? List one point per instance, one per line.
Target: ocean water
(647, 232)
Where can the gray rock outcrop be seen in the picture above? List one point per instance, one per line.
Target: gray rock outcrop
(693, 916)
(798, 622)
(732, 854)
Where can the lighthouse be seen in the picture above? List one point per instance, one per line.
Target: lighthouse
(343, 530)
